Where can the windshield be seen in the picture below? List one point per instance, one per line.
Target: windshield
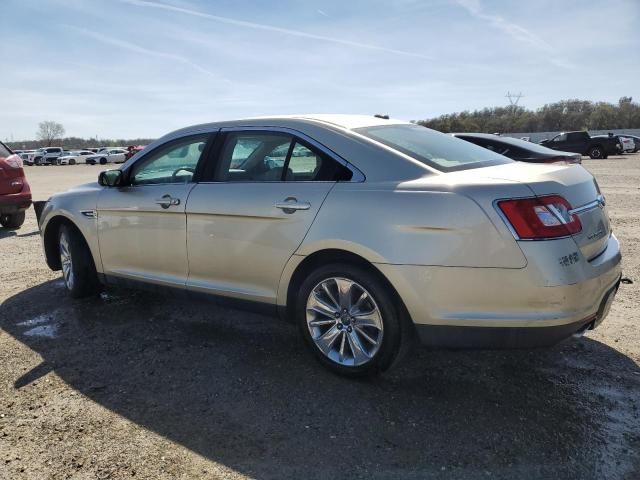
(435, 149)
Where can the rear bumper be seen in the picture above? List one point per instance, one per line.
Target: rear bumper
(511, 337)
(14, 203)
(537, 305)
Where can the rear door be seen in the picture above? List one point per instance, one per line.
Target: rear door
(244, 225)
(142, 225)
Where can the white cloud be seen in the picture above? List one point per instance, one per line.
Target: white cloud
(270, 28)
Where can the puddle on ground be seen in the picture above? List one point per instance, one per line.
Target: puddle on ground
(36, 321)
(41, 326)
(47, 331)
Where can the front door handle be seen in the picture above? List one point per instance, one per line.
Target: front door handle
(291, 204)
(167, 201)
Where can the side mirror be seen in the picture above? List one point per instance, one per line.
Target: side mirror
(110, 178)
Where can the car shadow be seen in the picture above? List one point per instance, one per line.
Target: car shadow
(16, 232)
(239, 388)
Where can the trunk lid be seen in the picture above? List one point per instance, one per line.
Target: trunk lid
(576, 185)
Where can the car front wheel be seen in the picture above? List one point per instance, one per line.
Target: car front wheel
(349, 318)
(78, 269)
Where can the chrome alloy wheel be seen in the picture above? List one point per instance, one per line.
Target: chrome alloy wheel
(344, 321)
(66, 261)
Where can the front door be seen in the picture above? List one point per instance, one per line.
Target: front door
(142, 225)
(243, 227)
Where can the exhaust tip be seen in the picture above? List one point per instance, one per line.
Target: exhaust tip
(580, 333)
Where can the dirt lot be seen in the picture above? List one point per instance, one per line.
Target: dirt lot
(134, 385)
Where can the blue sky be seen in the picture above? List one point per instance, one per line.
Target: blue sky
(141, 68)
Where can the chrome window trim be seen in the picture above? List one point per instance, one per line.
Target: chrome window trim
(356, 177)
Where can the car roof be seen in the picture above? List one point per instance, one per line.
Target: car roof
(328, 131)
(342, 121)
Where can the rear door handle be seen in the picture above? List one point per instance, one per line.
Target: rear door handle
(167, 201)
(291, 204)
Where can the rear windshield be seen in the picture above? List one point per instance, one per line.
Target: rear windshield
(435, 149)
(4, 151)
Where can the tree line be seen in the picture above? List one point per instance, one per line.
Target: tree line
(564, 115)
(50, 134)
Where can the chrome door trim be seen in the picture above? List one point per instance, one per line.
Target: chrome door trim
(356, 177)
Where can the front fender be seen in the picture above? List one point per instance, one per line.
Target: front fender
(77, 208)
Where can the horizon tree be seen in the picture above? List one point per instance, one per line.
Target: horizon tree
(48, 131)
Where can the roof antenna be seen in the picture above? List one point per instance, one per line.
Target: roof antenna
(384, 117)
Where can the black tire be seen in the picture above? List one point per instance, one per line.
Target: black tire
(83, 279)
(395, 326)
(72, 161)
(103, 161)
(14, 220)
(596, 152)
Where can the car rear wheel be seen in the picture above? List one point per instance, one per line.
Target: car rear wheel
(348, 317)
(78, 269)
(103, 161)
(596, 152)
(14, 220)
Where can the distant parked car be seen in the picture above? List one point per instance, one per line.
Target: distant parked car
(627, 143)
(636, 142)
(132, 150)
(116, 155)
(15, 194)
(25, 156)
(71, 158)
(519, 150)
(584, 144)
(48, 156)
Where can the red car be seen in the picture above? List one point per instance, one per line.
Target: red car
(132, 150)
(15, 194)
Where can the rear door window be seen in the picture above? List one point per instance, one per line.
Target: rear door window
(307, 165)
(253, 157)
(274, 157)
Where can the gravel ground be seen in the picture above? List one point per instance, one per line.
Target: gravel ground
(136, 385)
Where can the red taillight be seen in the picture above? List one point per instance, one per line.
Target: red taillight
(540, 217)
(13, 161)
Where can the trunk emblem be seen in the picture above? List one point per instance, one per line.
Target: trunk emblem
(596, 234)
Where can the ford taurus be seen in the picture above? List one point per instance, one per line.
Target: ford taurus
(367, 232)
